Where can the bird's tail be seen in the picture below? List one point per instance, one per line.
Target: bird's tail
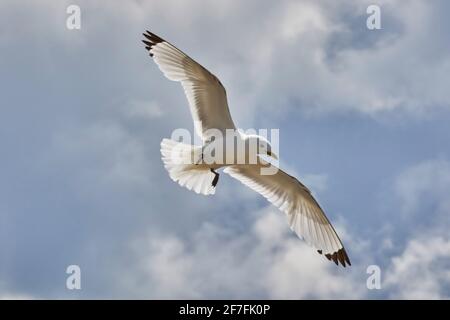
(184, 164)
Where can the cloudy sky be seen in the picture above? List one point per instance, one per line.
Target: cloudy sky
(364, 122)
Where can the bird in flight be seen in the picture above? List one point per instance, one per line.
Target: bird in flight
(209, 108)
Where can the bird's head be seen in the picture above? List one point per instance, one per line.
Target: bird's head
(262, 145)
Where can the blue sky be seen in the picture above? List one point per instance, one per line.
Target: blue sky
(363, 118)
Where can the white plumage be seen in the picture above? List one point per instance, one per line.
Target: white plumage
(206, 95)
(209, 108)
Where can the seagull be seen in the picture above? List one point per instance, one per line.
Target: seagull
(209, 109)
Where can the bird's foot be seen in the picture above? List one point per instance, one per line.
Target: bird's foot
(199, 160)
(216, 178)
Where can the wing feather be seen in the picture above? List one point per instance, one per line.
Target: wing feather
(306, 218)
(205, 93)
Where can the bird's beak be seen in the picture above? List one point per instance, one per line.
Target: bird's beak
(272, 154)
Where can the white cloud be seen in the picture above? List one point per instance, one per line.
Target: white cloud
(421, 270)
(273, 57)
(314, 55)
(302, 17)
(265, 261)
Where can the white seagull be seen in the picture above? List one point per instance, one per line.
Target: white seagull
(209, 108)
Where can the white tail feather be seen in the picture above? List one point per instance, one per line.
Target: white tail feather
(183, 162)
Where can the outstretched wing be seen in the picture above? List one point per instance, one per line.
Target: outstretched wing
(305, 216)
(206, 95)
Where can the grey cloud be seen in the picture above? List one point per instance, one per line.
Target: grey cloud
(267, 261)
(421, 271)
(83, 113)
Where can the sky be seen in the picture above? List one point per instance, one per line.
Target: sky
(363, 118)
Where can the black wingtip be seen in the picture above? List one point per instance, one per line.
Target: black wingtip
(347, 259)
(338, 257)
(152, 37)
(151, 40)
(334, 257)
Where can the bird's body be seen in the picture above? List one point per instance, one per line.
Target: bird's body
(195, 167)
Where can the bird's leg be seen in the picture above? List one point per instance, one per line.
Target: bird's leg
(201, 159)
(216, 177)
